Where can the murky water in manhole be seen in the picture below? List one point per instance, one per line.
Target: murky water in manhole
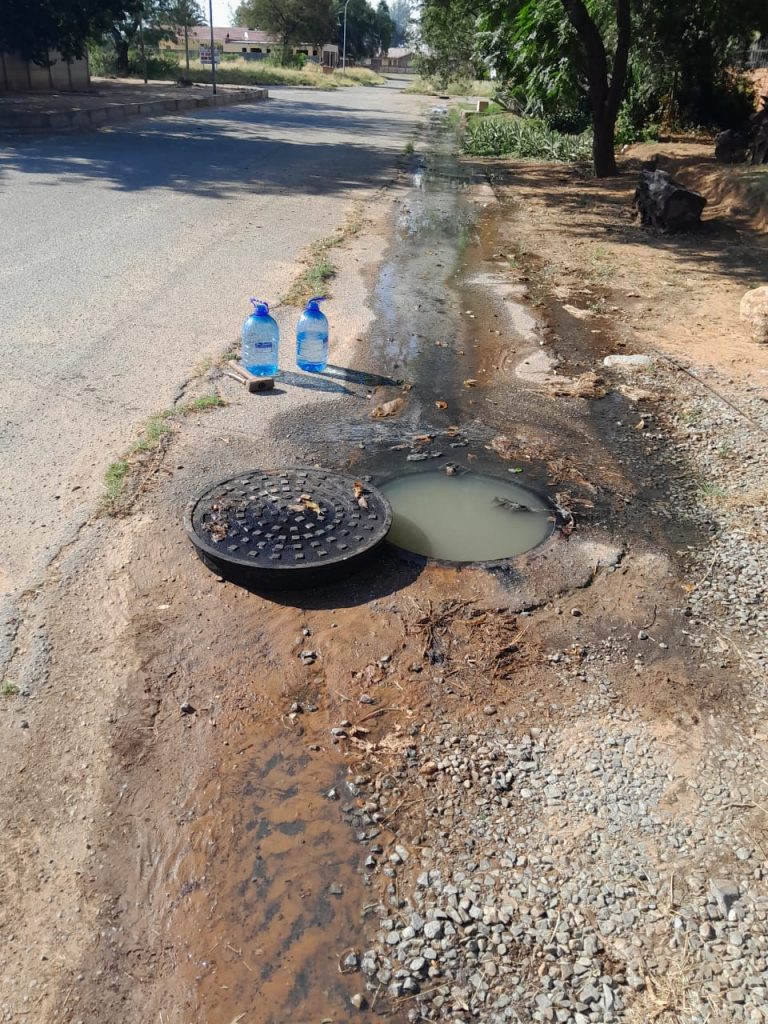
(465, 518)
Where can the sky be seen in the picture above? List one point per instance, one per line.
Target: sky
(221, 12)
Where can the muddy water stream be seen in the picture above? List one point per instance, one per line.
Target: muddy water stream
(267, 870)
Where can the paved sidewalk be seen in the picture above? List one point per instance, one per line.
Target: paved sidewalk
(112, 100)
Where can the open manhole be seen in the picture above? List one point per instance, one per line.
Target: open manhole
(284, 529)
(465, 517)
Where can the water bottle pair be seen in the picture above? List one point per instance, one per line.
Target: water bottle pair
(261, 338)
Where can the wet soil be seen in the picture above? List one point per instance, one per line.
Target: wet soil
(220, 881)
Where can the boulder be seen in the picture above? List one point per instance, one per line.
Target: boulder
(754, 311)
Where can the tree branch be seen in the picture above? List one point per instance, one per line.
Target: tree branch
(589, 34)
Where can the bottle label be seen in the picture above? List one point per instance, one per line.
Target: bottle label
(261, 345)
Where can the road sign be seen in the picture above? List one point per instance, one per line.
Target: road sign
(205, 55)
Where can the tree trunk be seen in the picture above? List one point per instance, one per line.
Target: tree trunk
(186, 46)
(605, 93)
(603, 144)
(666, 204)
(121, 49)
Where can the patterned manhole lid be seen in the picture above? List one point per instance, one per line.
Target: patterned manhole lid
(280, 529)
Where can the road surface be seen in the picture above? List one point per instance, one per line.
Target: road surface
(128, 255)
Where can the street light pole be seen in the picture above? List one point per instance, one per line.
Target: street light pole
(344, 56)
(213, 52)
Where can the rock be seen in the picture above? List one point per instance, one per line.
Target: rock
(433, 930)
(308, 657)
(754, 312)
(359, 1001)
(725, 892)
(186, 708)
(350, 962)
(628, 362)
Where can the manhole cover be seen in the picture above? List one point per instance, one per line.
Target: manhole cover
(288, 528)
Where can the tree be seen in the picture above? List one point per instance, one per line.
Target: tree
(152, 17)
(401, 12)
(292, 21)
(184, 15)
(385, 27)
(32, 29)
(369, 31)
(605, 82)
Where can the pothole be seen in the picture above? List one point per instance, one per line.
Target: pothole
(465, 517)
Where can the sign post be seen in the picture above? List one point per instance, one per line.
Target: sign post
(213, 48)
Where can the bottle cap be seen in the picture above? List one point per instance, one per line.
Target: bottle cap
(312, 304)
(260, 308)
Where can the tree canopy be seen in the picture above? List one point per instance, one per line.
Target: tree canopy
(292, 21)
(369, 31)
(585, 58)
(33, 27)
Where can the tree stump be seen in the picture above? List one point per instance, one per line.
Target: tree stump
(731, 147)
(666, 204)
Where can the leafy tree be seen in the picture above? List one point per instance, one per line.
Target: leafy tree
(33, 27)
(184, 15)
(292, 21)
(401, 12)
(369, 31)
(447, 30)
(385, 27)
(152, 16)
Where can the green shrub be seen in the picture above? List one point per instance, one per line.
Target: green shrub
(525, 138)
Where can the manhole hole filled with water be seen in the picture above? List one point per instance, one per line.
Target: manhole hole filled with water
(466, 517)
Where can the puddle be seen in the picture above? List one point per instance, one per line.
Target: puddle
(466, 517)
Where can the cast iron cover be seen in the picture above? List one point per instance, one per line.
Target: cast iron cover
(289, 528)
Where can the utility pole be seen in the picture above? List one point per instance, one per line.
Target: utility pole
(213, 52)
(141, 44)
(344, 56)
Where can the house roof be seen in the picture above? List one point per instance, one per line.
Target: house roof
(235, 34)
(396, 52)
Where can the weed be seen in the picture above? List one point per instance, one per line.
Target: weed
(155, 430)
(8, 689)
(319, 268)
(115, 480)
(690, 417)
(409, 148)
(199, 405)
(600, 264)
(712, 492)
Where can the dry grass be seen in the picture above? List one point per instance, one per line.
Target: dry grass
(319, 268)
(244, 72)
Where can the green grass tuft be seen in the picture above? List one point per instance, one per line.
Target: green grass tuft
(8, 689)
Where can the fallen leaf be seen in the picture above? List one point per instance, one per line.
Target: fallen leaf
(362, 501)
(407, 387)
(470, 383)
(388, 408)
(440, 344)
(423, 438)
(640, 425)
(306, 502)
(441, 404)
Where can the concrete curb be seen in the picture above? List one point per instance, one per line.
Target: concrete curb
(67, 120)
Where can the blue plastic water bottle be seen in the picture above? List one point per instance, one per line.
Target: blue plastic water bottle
(261, 338)
(312, 338)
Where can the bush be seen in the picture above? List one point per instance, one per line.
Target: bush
(528, 139)
(161, 64)
(631, 129)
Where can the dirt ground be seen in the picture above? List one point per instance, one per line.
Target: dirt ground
(179, 841)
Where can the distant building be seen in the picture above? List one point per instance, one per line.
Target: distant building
(19, 75)
(253, 44)
(397, 58)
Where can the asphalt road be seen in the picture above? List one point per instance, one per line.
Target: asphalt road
(127, 256)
